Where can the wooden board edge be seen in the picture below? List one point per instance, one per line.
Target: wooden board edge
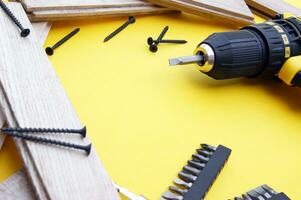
(40, 8)
(36, 17)
(229, 12)
(203, 12)
(2, 122)
(259, 8)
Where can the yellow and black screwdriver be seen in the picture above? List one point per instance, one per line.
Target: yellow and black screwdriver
(271, 48)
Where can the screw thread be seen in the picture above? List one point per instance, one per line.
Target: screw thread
(162, 34)
(64, 39)
(81, 131)
(123, 26)
(11, 15)
(172, 41)
(86, 148)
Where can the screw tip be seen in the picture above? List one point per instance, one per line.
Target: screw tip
(25, 32)
(49, 51)
(106, 39)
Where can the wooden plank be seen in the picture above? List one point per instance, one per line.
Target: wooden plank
(34, 5)
(41, 30)
(53, 15)
(2, 118)
(34, 177)
(234, 7)
(36, 98)
(207, 12)
(270, 8)
(17, 187)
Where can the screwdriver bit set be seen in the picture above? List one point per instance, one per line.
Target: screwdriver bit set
(262, 193)
(198, 175)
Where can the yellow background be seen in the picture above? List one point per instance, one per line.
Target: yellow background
(146, 119)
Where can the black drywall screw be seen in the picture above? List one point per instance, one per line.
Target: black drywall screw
(86, 148)
(49, 50)
(153, 46)
(131, 20)
(150, 41)
(24, 31)
(82, 131)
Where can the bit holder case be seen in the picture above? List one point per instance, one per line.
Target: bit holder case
(263, 192)
(199, 174)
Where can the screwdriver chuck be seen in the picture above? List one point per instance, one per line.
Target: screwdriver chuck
(255, 50)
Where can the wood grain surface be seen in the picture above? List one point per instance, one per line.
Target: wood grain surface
(35, 98)
(269, 8)
(41, 30)
(234, 7)
(209, 11)
(33, 5)
(2, 119)
(53, 15)
(17, 187)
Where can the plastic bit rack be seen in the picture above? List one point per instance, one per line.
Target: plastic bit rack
(198, 175)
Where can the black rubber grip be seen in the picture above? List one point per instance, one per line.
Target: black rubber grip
(237, 54)
(208, 175)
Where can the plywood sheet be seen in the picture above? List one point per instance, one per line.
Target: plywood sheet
(35, 98)
(270, 8)
(53, 15)
(31, 5)
(214, 11)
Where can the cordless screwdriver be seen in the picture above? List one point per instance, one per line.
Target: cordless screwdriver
(271, 48)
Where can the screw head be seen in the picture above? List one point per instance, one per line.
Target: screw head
(84, 131)
(153, 48)
(150, 41)
(278, 16)
(88, 149)
(132, 19)
(49, 51)
(25, 32)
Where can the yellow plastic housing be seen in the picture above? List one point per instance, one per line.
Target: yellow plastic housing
(289, 69)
